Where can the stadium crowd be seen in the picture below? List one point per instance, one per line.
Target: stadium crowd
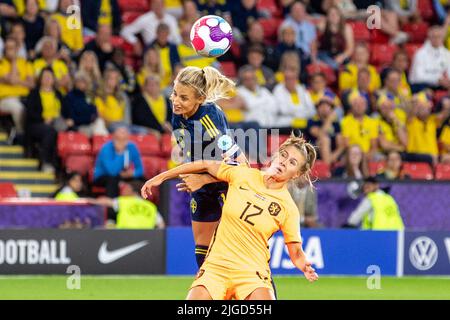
(362, 95)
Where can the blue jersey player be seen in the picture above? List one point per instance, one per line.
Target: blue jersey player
(199, 127)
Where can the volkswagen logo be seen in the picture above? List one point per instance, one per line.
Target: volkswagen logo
(423, 253)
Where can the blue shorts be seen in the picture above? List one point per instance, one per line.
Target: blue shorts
(206, 203)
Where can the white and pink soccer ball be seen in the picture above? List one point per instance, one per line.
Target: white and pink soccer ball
(211, 36)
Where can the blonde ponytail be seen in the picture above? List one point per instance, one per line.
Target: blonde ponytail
(207, 82)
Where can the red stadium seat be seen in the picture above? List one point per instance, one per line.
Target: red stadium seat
(426, 10)
(321, 170)
(270, 27)
(360, 31)
(439, 95)
(98, 142)
(148, 145)
(418, 170)
(79, 163)
(411, 49)
(378, 36)
(228, 69)
(166, 145)
(375, 167)
(70, 143)
(129, 16)
(269, 6)
(274, 142)
(7, 190)
(417, 31)
(442, 171)
(382, 54)
(134, 5)
(323, 68)
(153, 166)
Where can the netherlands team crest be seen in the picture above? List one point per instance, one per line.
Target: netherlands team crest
(274, 209)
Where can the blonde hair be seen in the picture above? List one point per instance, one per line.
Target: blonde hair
(207, 82)
(307, 150)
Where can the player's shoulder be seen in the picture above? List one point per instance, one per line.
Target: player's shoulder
(212, 108)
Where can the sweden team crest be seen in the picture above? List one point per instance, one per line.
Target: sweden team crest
(193, 205)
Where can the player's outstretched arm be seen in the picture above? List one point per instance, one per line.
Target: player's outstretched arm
(298, 258)
(211, 167)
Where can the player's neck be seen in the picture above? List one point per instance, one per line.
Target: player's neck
(271, 183)
(190, 114)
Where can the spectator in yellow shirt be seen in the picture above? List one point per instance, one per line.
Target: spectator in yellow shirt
(71, 28)
(444, 140)
(348, 78)
(422, 127)
(400, 63)
(16, 80)
(392, 125)
(47, 48)
(358, 128)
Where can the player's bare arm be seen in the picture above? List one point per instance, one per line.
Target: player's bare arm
(298, 258)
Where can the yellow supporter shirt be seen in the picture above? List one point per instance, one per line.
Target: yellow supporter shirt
(348, 78)
(164, 56)
(260, 77)
(422, 135)
(172, 4)
(51, 106)
(189, 57)
(388, 130)
(105, 16)
(360, 133)
(251, 214)
(24, 69)
(72, 37)
(110, 110)
(158, 107)
(58, 66)
(444, 138)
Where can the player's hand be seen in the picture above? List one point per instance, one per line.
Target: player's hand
(146, 190)
(191, 182)
(309, 271)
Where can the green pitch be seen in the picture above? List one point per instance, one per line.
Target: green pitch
(173, 287)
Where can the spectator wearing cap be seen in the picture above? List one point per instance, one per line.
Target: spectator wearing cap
(305, 31)
(422, 128)
(394, 168)
(377, 211)
(391, 124)
(151, 109)
(294, 103)
(348, 77)
(318, 90)
(265, 75)
(431, 63)
(358, 128)
(100, 12)
(147, 24)
(324, 131)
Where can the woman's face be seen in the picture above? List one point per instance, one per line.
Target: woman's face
(361, 55)
(152, 57)
(184, 99)
(152, 87)
(394, 161)
(401, 62)
(49, 49)
(81, 84)
(287, 164)
(32, 7)
(288, 36)
(88, 61)
(355, 155)
(249, 80)
(47, 79)
(112, 80)
(318, 83)
(334, 16)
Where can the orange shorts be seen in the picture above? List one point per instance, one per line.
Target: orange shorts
(224, 283)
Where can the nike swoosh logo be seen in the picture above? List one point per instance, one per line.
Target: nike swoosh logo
(243, 188)
(105, 256)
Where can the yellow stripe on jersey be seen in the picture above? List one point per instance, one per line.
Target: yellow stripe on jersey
(208, 129)
(213, 126)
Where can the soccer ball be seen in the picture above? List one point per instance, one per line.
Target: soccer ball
(211, 36)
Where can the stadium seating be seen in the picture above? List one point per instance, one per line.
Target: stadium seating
(382, 54)
(417, 31)
(270, 27)
(273, 142)
(153, 166)
(269, 7)
(71, 143)
(7, 190)
(321, 170)
(148, 145)
(360, 31)
(98, 142)
(129, 16)
(323, 68)
(166, 145)
(411, 49)
(378, 36)
(425, 7)
(418, 170)
(375, 167)
(442, 171)
(134, 5)
(229, 69)
(79, 163)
